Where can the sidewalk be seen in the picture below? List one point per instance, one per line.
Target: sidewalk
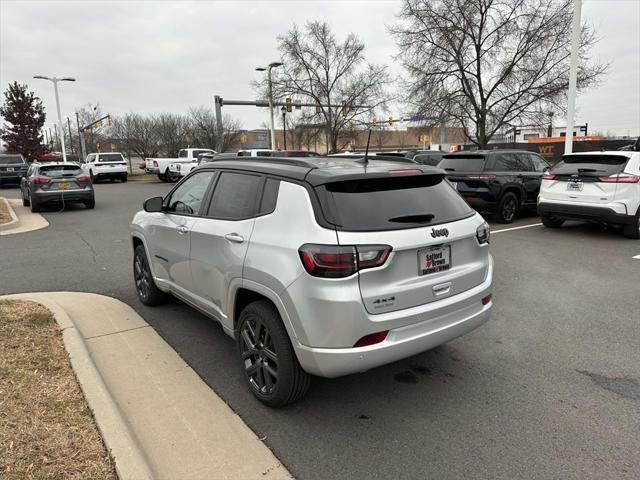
(182, 428)
(26, 221)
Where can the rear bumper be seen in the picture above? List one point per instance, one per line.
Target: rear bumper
(152, 170)
(12, 178)
(589, 213)
(63, 195)
(110, 174)
(428, 330)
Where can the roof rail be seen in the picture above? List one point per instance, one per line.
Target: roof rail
(298, 162)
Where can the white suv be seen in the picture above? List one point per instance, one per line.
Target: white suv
(108, 165)
(317, 266)
(602, 187)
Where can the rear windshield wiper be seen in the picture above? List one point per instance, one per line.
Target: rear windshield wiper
(414, 218)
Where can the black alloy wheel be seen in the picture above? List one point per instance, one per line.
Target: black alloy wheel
(259, 356)
(146, 288)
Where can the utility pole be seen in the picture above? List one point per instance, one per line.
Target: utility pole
(55, 81)
(83, 148)
(284, 125)
(55, 131)
(70, 137)
(573, 75)
(273, 127)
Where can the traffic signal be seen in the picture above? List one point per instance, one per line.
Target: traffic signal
(288, 102)
(344, 109)
(374, 122)
(390, 120)
(318, 107)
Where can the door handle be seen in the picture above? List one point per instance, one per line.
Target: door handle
(182, 229)
(234, 237)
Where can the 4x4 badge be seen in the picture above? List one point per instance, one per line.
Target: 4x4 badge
(441, 232)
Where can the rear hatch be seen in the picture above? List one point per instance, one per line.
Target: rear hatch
(585, 178)
(63, 177)
(435, 252)
(464, 171)
(12, 164)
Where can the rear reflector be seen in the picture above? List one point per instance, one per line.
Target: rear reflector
(620, 178)
(471, 198)
(404, 173)
(371, 339)
(486, 299)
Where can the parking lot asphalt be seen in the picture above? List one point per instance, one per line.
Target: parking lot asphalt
(548, 388)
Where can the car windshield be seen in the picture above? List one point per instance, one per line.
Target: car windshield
(392, 203)
(10, 159)
(110, 157)
(462, 163)
(59, 171)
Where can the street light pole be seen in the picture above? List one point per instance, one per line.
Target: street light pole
(573, 76)
(273, 127)
(55, 81)
(70, 137)
(284, 126)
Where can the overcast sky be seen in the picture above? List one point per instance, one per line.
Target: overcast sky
(164, 56)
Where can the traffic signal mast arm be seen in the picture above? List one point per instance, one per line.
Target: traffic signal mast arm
(87, 127)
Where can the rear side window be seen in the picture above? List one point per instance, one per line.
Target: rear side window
(269, 196)
(110, 157)
(235, 196)
(602, 165)
(244, 154)
(539, 164)
(508, 162)
(11, 159)
(263, 154)
(462, 163)
(391, 203)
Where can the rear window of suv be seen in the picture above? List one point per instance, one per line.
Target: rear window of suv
(11, 159)
(391, 203)
(462, 163)
(602, 165)
(58, 171)
(110, 157)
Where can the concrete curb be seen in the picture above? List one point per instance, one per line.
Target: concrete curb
(130, 462)
(27, 220)
(13, 223)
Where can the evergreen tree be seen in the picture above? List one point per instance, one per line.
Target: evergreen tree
(24, 118)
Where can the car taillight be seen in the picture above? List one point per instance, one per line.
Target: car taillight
(486, 299)
(84, 178)
(483, 233)
(39, 180)
(620, 178)
(371, 339)
(481, 176)
(339, 261)
(155, 163)
(548, 176)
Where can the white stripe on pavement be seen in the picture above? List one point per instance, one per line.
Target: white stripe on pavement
(516, 228)
(637, 257)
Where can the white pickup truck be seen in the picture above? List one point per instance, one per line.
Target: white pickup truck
(160, 166)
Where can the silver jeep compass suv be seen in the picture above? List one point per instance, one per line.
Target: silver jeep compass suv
(317, 266)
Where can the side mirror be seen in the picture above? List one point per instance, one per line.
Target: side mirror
(153, 204)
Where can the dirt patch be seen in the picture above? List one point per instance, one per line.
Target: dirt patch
(5, 216)
(46, 427)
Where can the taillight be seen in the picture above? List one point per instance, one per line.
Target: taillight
(371, 339)
(486, 299)
(548, 176)
(620, 178)
(84, 178)
(483, 233)
(481, 176)
(338, 261)
(404, 173)
(40, 180)
(155, 163)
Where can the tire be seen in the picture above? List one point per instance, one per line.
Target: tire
(551, 222)
(633, 230)
(162, 178)
(124, 178)
(93, 179)
(508, 208)
(146, 288)
(270, 367)
(25, 201)
(171, 177)
(35, 205)
(90, 203)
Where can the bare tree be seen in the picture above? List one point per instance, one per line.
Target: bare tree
(490, 63)
(138, 133)
(205, 130)
(173, 132)
(319, 68)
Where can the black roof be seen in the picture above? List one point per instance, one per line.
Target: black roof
(319, 170)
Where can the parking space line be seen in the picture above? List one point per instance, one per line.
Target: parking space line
(516, 228)
(637, 257)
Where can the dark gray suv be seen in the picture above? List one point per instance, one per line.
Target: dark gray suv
(13, 167)
(55, 182)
